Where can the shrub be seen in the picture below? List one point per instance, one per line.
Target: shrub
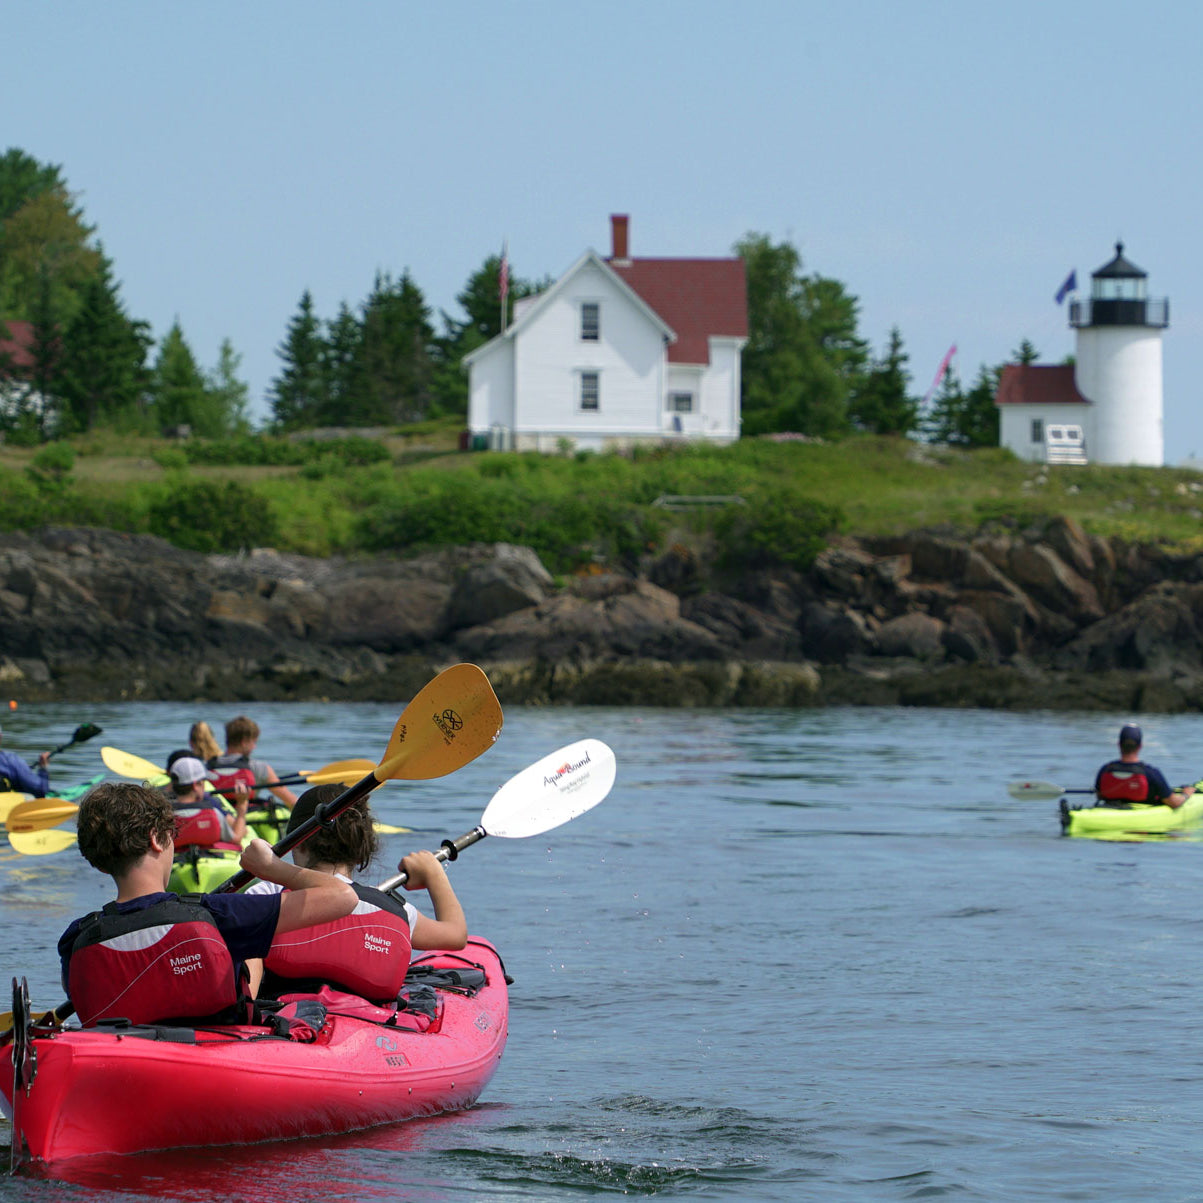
(208, 516)
(782, 528)
(50, 468)
(263, 450)
(170, 459)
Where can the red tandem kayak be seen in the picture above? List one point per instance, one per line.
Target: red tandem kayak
(109, 1090)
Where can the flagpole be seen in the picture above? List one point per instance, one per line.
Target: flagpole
(504, 280)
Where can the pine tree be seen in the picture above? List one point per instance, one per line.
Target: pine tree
(880, 403)
(965, 419)
(340, 367)
(103, 374)
(298, 393)
(394, 363)
(178, 386)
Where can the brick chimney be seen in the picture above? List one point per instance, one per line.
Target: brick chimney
(619, 223)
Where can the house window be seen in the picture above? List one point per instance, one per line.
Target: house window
(680, 403)
(591, 391)
(590, 322)
(1037, 430)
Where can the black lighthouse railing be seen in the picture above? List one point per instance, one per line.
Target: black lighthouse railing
(1120, 312)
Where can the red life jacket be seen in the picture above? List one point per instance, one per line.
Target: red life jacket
(1123, 781)
(229, 774)
(166, 961)
(200, 825)
(367, 952)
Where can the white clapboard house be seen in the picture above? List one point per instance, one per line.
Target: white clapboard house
(616, 352)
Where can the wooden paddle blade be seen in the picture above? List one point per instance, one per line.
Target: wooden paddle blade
(126, 764)
(8, 801)
(552, 791)
(449, 723)
(41, 843)
(40, 814)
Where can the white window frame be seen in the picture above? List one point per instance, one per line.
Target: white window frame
(583, 376)
(590, 334)
(1037, 430)
(674, 398)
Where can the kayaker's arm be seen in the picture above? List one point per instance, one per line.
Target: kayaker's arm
(281, 791)
(310, 897)
(1179, 796)
(242, 800)
(448, 929)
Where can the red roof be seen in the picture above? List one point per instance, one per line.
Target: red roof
(696, 297)
(15, 350)
(1032, 384)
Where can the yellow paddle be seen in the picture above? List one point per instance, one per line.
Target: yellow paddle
(9, 799)
(41, 843)
(126, 764)
(40, 813)
(337, 772)
(451, 721)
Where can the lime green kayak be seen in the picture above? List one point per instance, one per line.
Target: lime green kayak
(202, 870)
(1136, 817)
(268, 820)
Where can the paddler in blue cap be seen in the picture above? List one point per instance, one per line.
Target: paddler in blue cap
(1129, 779)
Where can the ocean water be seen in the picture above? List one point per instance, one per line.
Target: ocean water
(794, 955)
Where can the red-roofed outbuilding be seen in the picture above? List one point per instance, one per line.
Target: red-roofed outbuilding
(1042, 414)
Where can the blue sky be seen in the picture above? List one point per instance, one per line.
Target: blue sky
(948, 162)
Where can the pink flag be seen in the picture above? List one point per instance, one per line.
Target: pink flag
(935, 384)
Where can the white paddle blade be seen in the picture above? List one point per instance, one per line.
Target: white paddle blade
(555, 789)
(1039, 790)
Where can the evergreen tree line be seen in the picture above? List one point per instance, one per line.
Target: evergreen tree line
(806, 369)
(87, 357)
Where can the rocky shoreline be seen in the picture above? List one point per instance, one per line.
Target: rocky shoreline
(1048, 618)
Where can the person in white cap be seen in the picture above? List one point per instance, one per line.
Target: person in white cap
(188, 776)
(1129, 779)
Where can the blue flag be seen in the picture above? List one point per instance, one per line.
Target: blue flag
(1070, 285)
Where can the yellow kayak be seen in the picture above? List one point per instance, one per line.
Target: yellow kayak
(1134, 817)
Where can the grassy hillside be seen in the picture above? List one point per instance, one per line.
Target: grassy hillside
(413, 489)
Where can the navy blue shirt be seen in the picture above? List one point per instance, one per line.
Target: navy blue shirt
(247, 922)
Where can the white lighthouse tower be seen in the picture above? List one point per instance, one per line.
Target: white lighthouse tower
(1118, 364)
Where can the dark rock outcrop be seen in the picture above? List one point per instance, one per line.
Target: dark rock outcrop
(1047, 618)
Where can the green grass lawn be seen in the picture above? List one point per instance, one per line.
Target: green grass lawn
(877, 485)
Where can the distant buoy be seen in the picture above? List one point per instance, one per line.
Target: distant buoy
(12, 704)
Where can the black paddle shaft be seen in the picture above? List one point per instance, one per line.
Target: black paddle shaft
(87, 731)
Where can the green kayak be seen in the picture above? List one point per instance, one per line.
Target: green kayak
(202, 870)
(1134, 817)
